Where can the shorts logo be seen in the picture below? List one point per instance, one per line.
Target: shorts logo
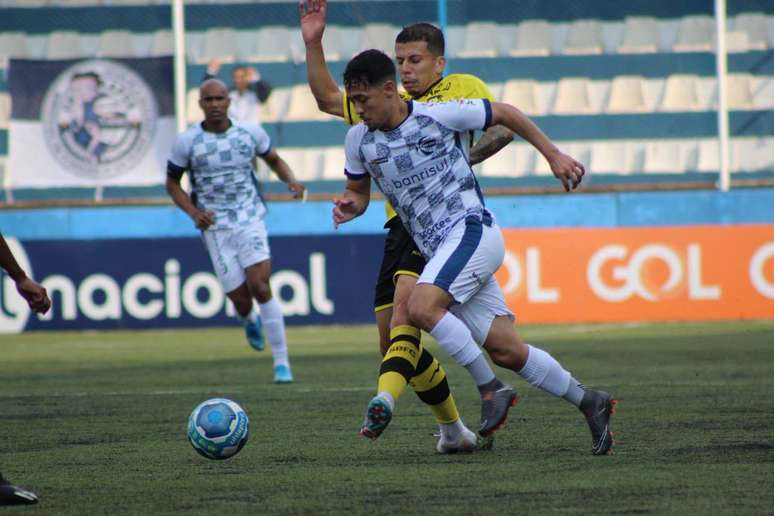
(99, 117)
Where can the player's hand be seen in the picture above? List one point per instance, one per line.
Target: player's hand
(344, 210)
(297, 189)
(35, 295)
(253, 75)
(213, 67)
(312, 14)
(569, 171)
(204, 219)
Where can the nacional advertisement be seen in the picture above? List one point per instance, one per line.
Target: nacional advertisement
(690, 273)
(548, 276)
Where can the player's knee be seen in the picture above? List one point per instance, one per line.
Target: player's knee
(242, 304)
(261, 291)
(422, 313)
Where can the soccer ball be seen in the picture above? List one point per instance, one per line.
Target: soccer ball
(218, 428)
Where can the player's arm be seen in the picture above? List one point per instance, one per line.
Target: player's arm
(490, 143)
(32, 292)
(280, 167)
(326, 92)
(569, 171)
(354, 201)
(202, 219)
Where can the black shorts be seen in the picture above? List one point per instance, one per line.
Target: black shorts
(401, 256)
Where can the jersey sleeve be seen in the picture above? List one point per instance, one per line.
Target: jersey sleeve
(462, 114)
(178, 161)
(262, 139)
(477, 89)
(354, 163)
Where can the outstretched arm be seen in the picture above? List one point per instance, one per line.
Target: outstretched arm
(325, 90)
(32, 292)
(494, 138)
(569, 171)
(353, 202)
(280, 167)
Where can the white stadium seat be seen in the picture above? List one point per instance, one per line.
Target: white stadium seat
(665, 156)
(350, 39)
(116, 43)
(455, 40)
(274, 109)
(752, 154)
(380, 36)
(13, 44)
(303, 106)
(610, 157)
(273, 44)
(626, 95)
(333, 163)
(480, 40)
(306, 163)
(193, 113)
(755, 26)
(584, 37)
(63, 44)
(739, 91)
(572, 96)
(709, 157)
(680, 93)
(504, 163)
(737, 41)
(5, 110)
(162, 43)
(695, 34)
(533, 38)
(641, 35)
(523, 95)
(219, 43)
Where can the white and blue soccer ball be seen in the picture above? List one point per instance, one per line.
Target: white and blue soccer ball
(218, 428)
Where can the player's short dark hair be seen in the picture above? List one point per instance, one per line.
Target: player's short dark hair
(426, 32)
(87, 75)
(369, 68)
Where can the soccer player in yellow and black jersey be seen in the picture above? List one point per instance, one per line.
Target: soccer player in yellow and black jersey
(419, 50)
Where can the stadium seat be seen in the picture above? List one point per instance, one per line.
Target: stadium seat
(13, 44)
(380, 36)
(350, 39)
(5, 110)
(303, 106)
(763, 93)
(332, 43)
(116, 43)
(219, 43)
(162, 43)
(664, 157)
(480, 40)
(610, 157)
(75, 3)
(680, 93)
(584, 37)
(25, 3)
(737, 41)
(533, 38)
(523, 95)
(505, 163)
(455, 39)
(641, 35)
(63, 44)
(756, 27)
(306, 163)
(272, 44)
(572, 96)
(275, 107)
(695, 34)
(193, 113)
(334, 160)
(626, 95)
(752, 154)
(739, 91)
(708, 156)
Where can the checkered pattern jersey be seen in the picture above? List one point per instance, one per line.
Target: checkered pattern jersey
(222, 171)
(422, 167)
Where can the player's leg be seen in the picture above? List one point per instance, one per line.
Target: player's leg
(470, 254)
(255, 258)
(15, 495)
(543, 371)
(223, 252)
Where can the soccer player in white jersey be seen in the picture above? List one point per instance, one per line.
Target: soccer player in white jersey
(415, 153)
(225, 205)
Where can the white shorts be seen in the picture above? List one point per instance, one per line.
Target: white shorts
(233, 250)
(464, 266)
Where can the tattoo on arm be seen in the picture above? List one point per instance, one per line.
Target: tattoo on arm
(493, 139)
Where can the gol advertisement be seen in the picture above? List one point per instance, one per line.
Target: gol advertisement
(639, 274)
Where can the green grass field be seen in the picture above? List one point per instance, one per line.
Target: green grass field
(95, 423)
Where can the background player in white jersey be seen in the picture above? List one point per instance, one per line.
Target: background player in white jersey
(414, 153)
(219, 156)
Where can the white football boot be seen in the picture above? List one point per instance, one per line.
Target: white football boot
(467, 441)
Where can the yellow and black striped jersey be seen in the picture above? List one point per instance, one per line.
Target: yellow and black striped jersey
(452, 87)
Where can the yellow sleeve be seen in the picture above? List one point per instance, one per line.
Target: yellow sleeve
(350, 115)
(471, 87)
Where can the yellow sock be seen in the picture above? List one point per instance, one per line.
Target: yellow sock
(432, 388)
(400, 362)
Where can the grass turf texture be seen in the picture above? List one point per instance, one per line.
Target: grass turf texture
(95, 423)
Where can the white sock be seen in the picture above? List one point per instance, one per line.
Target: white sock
(274, 326)
(388, 398)
(455, 338)
(452, 431)
(543, 371)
